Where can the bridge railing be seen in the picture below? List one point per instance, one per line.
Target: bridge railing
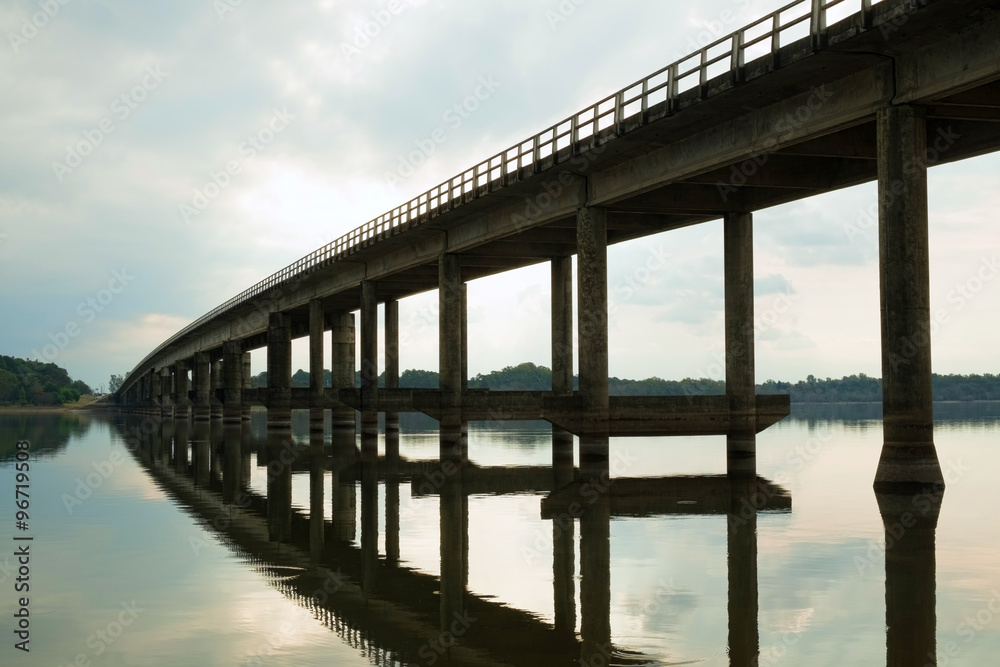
(580, 132)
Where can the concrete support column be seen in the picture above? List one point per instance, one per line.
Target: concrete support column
(166, 389)
(744, 637)
(232, 382)
(279, 372)
(592, 331)
(202, 386)
(317, 391)
(562, 326)
(247, 384)
(369, 357)
(741, 440)
(450, 355)
(908, 457)
(592, 299)
(181, 388)
(910, 575)
(465, 335)
(217, 385)
(391, 358)
(344, 365)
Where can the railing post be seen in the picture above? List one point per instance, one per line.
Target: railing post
(736, 61)
(776, 38)
(866, 13)
(703, 70)
(817, 22)
(645, 98)
(672, 87)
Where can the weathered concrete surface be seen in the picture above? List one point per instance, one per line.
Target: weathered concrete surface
(908, 454)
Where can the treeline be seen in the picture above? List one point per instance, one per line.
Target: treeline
(858, 388)
(25, 382)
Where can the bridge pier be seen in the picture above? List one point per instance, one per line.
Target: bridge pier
(217, 383)
(369, 358)
(450, 354)
(343, 366)
(741, 440)
(317, 382)
(232, 381)
(166, 386)
(391, 359)
(909, 457)
(279, 372)
(181, 384)
(592, 331)
(202, 386)
(562, 325)
(245, 409)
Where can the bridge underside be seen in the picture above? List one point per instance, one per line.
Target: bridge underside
(879, 96)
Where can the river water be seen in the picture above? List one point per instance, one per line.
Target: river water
(163, 549)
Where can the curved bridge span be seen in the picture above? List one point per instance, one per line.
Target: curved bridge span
(820, 95)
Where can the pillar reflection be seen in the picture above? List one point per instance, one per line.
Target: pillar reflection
(910, 521)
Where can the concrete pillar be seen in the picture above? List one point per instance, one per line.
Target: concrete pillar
(232, 382)
(910, 575)
(562, 326)
(741, 440)
(744, 638)
(166, 389)
(391, 358)
(450, 355)
(202, 386)
(908, 453)
(279, 372)
(592, 299)
(181, 388)
(343, 365)
(217, 385)
(369, 357)
(247, 384)
(465, 335)
(317, 391)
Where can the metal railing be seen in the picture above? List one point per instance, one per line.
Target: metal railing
(660, 91)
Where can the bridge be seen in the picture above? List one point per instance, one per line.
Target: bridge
(820, 95)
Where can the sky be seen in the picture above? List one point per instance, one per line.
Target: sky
(156, 161)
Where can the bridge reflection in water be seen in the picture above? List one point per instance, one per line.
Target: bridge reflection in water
(400, 616)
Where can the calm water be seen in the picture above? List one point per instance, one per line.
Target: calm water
(162, 555)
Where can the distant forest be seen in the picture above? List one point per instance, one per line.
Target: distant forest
(851, 389)
(24, 382)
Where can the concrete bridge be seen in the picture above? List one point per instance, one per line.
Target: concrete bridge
(820, 95)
